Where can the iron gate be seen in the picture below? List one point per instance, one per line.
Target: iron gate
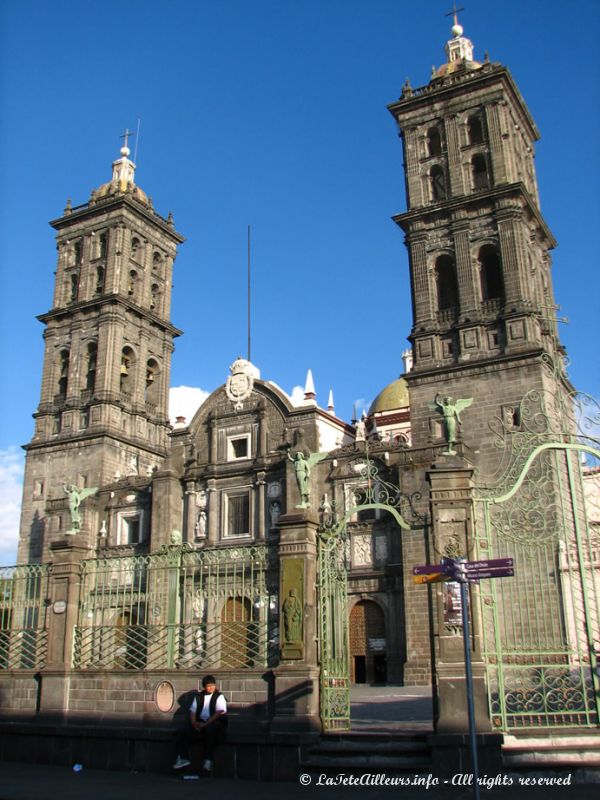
(374, 493)
(540, 629)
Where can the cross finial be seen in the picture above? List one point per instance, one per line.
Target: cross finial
(126, 136)
(454, 12)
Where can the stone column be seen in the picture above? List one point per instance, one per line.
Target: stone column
(451, 481)
(297, 677)
(261, 500)
(213, 511)
(65, 579)
(166, 507)
(190, 511)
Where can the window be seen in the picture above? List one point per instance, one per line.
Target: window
(154, 292)
(38, 489)
(103, 244)
(63, 372)
(129, 528)
(475, 129)
(92, 355)
(238, 447)
(132, 283)
(78, 251)
(479, 172)
(490, 273)
(237, 514)
(135, 247)
(151, 390)
(74, 287)
(438, 183)
(99, 288)
(447, 289)
(434, 142)
(126, 369)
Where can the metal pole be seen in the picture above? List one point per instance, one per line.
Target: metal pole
(461, 574)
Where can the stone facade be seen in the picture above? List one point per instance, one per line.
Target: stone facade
(253, 470)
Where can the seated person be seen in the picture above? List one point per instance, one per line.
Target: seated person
(208, 725)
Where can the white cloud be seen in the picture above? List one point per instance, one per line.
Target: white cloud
(11, 488)
(297, 395)
(184, 401)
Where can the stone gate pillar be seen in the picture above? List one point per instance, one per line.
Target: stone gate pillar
(451, 480)
(65, 579)
(297, 677)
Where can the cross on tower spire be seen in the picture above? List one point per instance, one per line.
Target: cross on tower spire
(454, 12)
(126, 136)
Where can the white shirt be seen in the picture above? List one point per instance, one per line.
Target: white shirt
(221, 706)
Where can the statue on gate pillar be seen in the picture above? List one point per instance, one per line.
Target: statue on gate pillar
(75, 496)
(302, 467)
(450, 410)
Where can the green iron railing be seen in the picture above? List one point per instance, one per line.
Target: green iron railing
(541, 629)
(179, 609)
(23, 608)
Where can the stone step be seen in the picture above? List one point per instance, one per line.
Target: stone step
(360, 753)
(382, 748)
(531, 752)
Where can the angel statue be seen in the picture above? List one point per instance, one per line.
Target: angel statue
(450, 409)
(302, 466)
(75, 496)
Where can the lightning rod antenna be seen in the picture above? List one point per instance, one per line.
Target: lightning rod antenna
(137, 139)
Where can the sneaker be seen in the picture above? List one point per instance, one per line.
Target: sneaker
(208, 765)
(180, 763)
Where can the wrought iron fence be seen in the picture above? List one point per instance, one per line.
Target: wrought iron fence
(23, 608)
(541, 629)
(179, 609)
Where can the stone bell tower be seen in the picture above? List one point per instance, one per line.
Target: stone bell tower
(103, 411)
(479, 248)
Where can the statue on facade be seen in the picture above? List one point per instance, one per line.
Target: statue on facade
(175, 537)
(292, 617)
(360, 434)
(75, 496)
(201, 524)
(302, 466)
(275, 512)
(450, 410)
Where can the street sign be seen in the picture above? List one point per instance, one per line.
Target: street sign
(492, 563)
(490, 573)
(428, 569)
(432, 577)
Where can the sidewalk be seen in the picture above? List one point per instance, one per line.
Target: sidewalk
(41, 782)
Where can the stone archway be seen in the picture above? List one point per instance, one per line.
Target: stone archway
(367, 643)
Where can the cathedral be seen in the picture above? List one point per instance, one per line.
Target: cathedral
(266, 536)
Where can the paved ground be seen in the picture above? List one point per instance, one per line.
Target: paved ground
(389, 708)
(38, 782)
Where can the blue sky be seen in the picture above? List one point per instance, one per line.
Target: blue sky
(271, 113)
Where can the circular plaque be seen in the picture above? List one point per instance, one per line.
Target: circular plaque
(59, 606)
(165, 696)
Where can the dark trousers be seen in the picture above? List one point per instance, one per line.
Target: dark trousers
(208, 738)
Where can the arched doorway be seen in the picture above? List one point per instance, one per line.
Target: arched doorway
(367, 643)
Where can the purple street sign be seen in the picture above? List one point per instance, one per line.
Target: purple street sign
(492, 563)
(428, 569)
(490, 573)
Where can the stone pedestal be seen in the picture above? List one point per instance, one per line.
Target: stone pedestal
(65, 579)
(452, 515)
(297, 677)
